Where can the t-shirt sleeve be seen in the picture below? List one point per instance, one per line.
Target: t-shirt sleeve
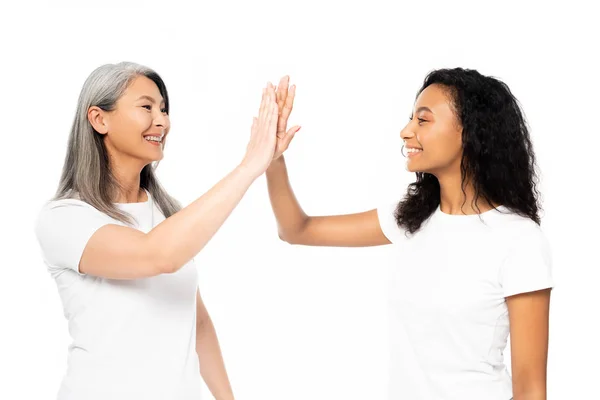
(387, 220)
(63, 229)
(528, 266)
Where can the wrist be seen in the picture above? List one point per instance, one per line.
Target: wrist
(276, 163)
(247, 172)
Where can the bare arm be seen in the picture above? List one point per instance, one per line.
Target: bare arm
(295, 227)
(529, 321)
(212, 367)
(119, 252)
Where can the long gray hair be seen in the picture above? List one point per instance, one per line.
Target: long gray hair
(86, 173)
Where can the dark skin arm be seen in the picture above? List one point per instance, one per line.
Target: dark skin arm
(529, 331)
(294, 225)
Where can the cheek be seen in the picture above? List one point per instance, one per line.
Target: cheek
(440, 144)
(141, 121)
(128, 128)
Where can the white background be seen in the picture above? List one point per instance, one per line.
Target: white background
(297, 322)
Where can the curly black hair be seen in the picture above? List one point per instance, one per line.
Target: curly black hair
(498, 155)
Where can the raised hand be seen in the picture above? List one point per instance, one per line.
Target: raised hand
(263, 138)
(285, 102)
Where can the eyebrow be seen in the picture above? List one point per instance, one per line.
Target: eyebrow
(149, 98)
(424, 109)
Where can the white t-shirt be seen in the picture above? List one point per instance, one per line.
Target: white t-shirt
(448, 315)
(131, 339)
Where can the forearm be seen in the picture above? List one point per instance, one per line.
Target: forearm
(532, 395)
(180, 237)
(529, 389)
(212, 367)
(290, 216)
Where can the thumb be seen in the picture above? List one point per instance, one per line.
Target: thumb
(290, 135)
(293, 130)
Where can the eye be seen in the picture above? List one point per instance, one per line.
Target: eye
(147, 107)
(421, 120)
(164, 110)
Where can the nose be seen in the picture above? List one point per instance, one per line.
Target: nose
(162, 120)
(407, 133)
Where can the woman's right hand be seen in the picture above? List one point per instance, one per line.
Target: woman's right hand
(263, 136)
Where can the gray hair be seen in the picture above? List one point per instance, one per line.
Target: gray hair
(86, 173)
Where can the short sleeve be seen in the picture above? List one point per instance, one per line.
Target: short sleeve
(387, 221)
(63, 229)
(528, 265)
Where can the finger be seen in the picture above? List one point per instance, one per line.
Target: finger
(289, 103)
(267, 105)
(286, 110)
(262, 102)
(282, 91)
(273, 119)
(266, 117)
(254, 125)
(271, 90)
(273, 113)
(272, 100)
(283, 143)
(293, 130)
(289, 137)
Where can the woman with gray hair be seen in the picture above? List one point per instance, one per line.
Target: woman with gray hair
(121, 249)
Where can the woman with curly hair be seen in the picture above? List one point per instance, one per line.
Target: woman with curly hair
(475, 264)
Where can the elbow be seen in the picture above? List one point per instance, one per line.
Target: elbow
(166, 267)
(290, 239)
(160, 260)
(283, 237)
(167, 264)
(162, 265)
(294, 236)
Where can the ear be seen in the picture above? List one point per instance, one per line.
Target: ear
(98, 119)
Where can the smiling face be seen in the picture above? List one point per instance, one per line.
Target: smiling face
(137, 126)
(433, 137)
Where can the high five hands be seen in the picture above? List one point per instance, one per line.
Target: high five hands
(269, 138)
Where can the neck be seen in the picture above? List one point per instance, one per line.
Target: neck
(454, 201)
(128, 188)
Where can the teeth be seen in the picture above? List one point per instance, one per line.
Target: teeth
(414, 150)
(153, 139)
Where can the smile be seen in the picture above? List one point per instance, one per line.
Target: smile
(154, 140)
(411, 152)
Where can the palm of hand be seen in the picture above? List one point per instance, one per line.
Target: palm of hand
(285, 102)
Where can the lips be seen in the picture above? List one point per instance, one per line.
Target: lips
(155, 138)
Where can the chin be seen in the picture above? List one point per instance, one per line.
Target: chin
(155, 159)
(413, 168)
(152, 158)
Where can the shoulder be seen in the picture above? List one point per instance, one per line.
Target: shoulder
(64, 206)
(70, 211)
(517, 227)
(520, 235)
